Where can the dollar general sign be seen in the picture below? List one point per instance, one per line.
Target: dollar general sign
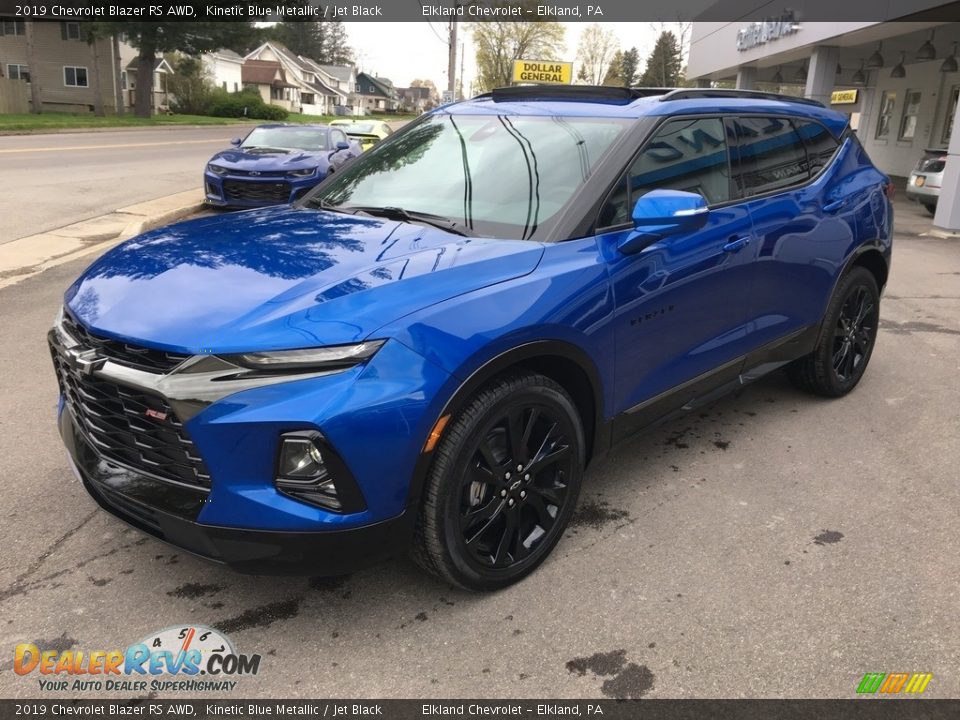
(539, 71)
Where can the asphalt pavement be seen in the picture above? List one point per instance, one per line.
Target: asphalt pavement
(51, 180)
(772, 544)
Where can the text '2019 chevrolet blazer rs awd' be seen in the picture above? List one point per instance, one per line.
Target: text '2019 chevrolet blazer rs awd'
(428, 349)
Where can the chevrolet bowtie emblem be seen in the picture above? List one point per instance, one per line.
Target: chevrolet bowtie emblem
(86, 362)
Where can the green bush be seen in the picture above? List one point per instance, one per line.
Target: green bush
(244, 104)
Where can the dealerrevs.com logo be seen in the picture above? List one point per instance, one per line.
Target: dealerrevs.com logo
(894, 683)
(189, 658)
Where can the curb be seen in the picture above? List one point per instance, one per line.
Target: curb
(28, 256)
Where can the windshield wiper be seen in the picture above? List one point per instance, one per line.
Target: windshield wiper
(411, 216)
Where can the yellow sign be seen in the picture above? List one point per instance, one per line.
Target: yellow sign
(542, 71)
(843, 97)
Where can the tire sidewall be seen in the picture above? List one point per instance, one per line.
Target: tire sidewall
(471, 573)
(857, 277)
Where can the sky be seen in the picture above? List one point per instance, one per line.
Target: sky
(418, 50)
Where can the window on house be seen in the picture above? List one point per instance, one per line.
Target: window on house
(236, 87)
(370, 89)
(887, 102)
(123, 79)
(772, 155)
(13, 27)
(951, 111)
(18, 72)
(911, 114)
(276, 93)
(71, 30)
(74, 76)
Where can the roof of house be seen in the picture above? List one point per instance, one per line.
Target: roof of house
(161, 65)
(340, 72)
(302, 63)
(264, 72)
(382, 86)
(314, 67)
(227, 54)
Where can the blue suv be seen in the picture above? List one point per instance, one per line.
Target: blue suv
(429, 348)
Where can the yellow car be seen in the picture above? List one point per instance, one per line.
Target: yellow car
(367, 132)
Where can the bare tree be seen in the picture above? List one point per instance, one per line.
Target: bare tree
(597, 48)
(118, 90)
(94, 42)
(498, 44)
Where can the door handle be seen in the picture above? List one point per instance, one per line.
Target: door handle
(835, 205)
(736, 243)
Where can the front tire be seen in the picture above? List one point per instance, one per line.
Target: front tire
(503, 484)
(846, 339)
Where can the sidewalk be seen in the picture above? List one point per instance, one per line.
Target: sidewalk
(27, 256)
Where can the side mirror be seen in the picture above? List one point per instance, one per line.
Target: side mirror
(236, 142)
(660, 213)
(343, 145)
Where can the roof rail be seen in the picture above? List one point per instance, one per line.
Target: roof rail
(704, 93)
(571, 92)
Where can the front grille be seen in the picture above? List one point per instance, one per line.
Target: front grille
(259, 173)
(131, 427)
(275, 192)
(134, 356)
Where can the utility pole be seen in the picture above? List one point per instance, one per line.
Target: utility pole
(463, 49)
(452, 59)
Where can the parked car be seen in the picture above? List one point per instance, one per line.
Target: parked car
(367, 132)
(926, 179)
(428, 349)
(276, 164)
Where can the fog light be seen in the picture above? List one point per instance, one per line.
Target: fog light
(301, 472)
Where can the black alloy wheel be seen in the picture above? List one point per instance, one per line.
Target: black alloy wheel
(503, 484)
(847, 338)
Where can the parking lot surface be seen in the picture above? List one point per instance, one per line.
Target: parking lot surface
(771, 544)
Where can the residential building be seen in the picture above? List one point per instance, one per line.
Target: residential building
(160, 97)
(313, 95)
(376, 94)
(344, 79)
(268, 78)
(68, 66)
(417, 99)
(223, 67)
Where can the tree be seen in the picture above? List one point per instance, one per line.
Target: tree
(630, 67)
(613, 76)
(151, 38)
(664, 64)
(336, 50)
(33, 62)
(596, 49)
(306, 38)
(499, 43)
(118, 90)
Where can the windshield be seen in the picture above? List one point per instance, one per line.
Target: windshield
(287, 138)
(503, 176)
(361, 128)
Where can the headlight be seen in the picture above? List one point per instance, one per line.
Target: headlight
(306, 172)
(217, 169)
(335, 357)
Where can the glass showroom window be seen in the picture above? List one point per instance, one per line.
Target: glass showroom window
(911, 113)
(887, 103)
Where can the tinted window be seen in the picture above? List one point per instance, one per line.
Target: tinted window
(686, 155)
(772, 155)
(821, 145)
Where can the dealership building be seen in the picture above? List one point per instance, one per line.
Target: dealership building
(898, 81)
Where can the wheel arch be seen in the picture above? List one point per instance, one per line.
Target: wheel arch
(564, 363)
(871, 258)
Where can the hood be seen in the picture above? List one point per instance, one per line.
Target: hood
(272, 159)
(282, 278)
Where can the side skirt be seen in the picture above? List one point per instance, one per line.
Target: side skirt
(714, 384)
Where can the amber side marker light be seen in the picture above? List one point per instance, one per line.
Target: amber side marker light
(436, 433)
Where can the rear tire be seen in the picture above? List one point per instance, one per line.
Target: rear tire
(846, 339)
(503, 484)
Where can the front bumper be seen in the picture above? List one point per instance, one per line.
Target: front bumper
(929, 191)
(236, 191)
(169, 513)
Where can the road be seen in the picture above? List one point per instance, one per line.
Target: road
(770, 545)
(51, 180)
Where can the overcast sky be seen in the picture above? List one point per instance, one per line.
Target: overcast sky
(418, 50)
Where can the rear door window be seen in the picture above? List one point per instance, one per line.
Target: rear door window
(772, 155)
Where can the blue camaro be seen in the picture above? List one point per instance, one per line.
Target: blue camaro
(276, 164)
(427, 350)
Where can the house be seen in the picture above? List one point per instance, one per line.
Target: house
(68, 66)
(376, 94)
(343, 78)
(223, 67)
(313, 95)
(417, 99)
(160, 97)
(268, 78)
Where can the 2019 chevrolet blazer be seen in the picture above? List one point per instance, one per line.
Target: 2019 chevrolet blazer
(429, 348)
